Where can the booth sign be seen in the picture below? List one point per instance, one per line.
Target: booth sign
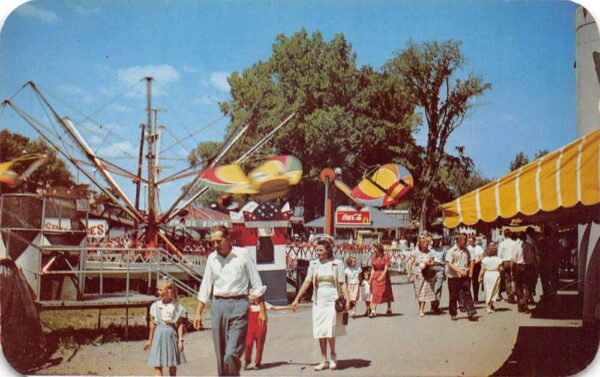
(353, 217)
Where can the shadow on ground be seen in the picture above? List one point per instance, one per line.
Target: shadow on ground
(551, 351)
(352, 363)
(273, 364)
(559, 307)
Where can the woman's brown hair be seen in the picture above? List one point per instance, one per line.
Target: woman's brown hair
(327, 245)
(379, 247)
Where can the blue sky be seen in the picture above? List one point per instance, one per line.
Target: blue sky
(88, 53)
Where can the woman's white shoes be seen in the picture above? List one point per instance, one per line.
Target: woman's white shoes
(333, 362)
(322, 365)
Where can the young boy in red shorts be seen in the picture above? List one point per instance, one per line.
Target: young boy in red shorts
(256, 333)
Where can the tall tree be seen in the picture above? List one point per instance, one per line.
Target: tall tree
(428, 72)
(520, 160)
(346, 116)
(53, 173)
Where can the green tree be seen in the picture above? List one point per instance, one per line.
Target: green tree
(520, 160)
(429, 74)
(346, 116)
(540, 153)
(53, 173)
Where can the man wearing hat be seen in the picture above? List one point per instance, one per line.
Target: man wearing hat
(439, 257)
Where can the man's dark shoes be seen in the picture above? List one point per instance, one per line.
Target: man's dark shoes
(473, 318)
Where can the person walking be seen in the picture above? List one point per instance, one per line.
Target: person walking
(490, 275)
(353, 277)
(230, 274)
(505, 253)
(549, 262)
(165, 341)
(421, 265)
(439, 257)
(381, 283)
(326, 275)
(530, 273)
(257, 332)
(460, 272)
(518, 270)
(477, 254)
(365, 290)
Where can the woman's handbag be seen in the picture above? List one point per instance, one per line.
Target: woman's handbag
(340, 303)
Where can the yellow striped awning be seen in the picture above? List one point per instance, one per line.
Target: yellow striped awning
(561, 179)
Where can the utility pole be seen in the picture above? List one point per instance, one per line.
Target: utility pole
(152, 228)
(138, 183)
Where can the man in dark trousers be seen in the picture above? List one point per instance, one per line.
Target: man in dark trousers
(460, 272)
(230, 275)
(549, 262)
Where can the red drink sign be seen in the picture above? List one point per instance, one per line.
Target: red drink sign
(353, 218)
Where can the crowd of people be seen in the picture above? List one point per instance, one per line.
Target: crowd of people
(239, 313)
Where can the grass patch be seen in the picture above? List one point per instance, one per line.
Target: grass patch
(67, 329)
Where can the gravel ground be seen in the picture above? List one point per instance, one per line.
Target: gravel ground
(402, 344)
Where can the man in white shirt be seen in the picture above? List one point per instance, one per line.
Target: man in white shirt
(439, 257)
(505, 253)
(228, 275)
(518, 268)
(460, 272)
(476, 252)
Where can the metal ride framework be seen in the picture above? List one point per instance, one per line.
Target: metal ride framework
(158, 256)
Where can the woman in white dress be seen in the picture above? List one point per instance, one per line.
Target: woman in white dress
(491, 268)
(328, 279)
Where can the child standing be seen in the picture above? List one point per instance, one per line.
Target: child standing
(166, 331)
(353, 275)
(366, 290)
(256, 332)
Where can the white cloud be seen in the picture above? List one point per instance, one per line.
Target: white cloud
(162, 73)
(76, 91)
(45, 16)
(116, 149)
(83, 10)
(206, 100)
(189, 69)
(95, 139)
(219, 80)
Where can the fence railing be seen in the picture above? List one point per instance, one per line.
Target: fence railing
(125, 262)
(363, 254)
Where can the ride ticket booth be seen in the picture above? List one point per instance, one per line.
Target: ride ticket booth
(261, 229)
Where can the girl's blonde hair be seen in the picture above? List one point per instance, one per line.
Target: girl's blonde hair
(349, 259)
(169, 286)
(422, 241)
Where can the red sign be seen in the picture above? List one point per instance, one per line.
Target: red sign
(353, 218)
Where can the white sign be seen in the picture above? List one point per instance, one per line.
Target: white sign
(56, 223)
(97, 228)
(266, 232)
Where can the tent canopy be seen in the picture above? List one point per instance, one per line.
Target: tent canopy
(567, 179)
(379, 220)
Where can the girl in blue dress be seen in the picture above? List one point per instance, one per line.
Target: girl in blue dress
(166, 331)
